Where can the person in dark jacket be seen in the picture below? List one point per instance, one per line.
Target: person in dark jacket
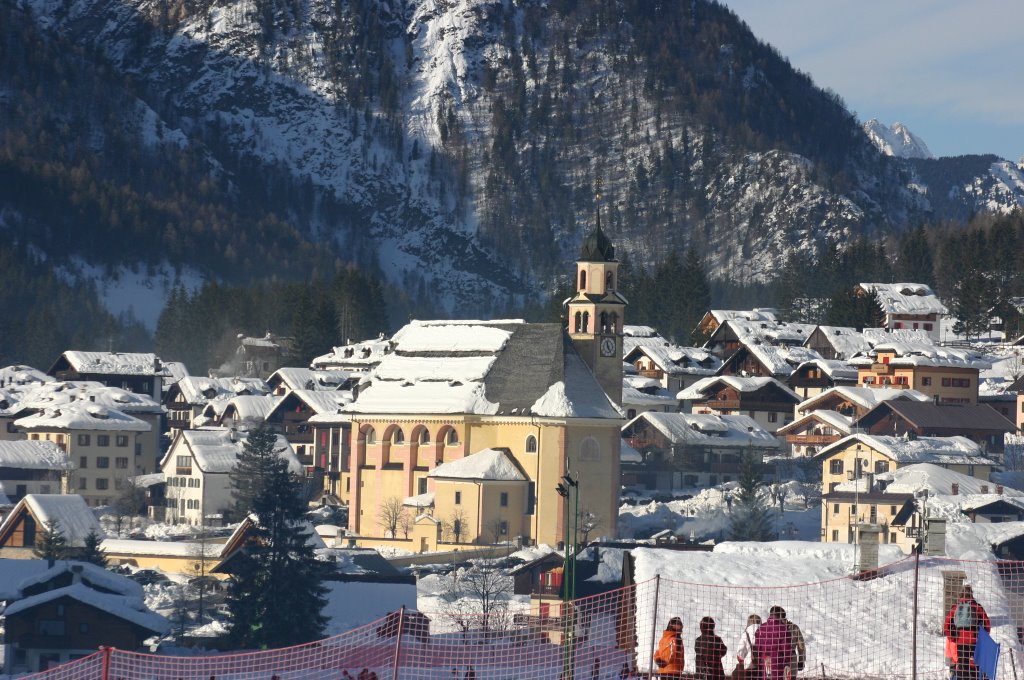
(962, 623)
(774, 645)
(708, 651)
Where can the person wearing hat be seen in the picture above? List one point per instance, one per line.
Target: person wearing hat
(670, 658)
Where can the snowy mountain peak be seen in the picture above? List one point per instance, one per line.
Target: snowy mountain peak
(896, 140)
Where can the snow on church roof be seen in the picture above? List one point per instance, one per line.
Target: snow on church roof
(905, 298)
(488, 465)
(484, 367)
(113, 363)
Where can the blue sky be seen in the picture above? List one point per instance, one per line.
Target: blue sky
(950, 70)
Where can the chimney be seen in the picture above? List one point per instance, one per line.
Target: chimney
(999, 489)
(233, 434)
(76, 573)
(956, 488)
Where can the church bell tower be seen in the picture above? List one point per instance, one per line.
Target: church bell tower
(596, 312)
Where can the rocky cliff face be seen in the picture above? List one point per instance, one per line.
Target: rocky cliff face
(460, 145)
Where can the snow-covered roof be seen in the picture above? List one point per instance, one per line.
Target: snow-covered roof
(906, 450)
(770, 332)
(723, 315)
(130, 609)
(32, 455)
(864, 397)
(921, 354)
(633, 331)
(905, 298)
(693, 429)
(366, 354)
(844, 340)
(38, 397)
(123, 546)
(22, 375)
(173, 371)
(295, 378)
(113, 363)
(834, 369)
(321, 402)
(939, 482)
(834, 419)
(215, 449)
(92, 575)
(676, 360)
(198, 390)
(699, 390)
(494, 367)
(627, 454)
(250, 409)
(658, 399)
(493, 465)
(72, 514)
(83, 416)
(781, 360)
(423, 500)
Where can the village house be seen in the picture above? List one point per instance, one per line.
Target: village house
(733, 334)
(636, 336)
(862, 455)
(911, 306)
(837, 343)
(186, 399)
(714, 318)
(255, 357)
(69, 513)
(19, 375)
(138, 373)
(854, 402)
(893, 515)
(675, 368)
(70, 610)
(104, 445)
(332, 439)
(819, 375)
(290, 417)
(765, 400)
(32, 467)
(358, 357)
(640, 395)
(993, 508)
(198, 468)
(247, 411)
(810, 433)
(290, 378)
(948, 375)
(978, 422)
(543, 394)
(686, 450)
(755, 357)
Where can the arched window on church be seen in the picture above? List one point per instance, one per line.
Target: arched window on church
(586, 322)
(604, 322)
(531, 444)
(590, 449)
(613, 319)
(579, 322)
(609, 281)
(583, 280)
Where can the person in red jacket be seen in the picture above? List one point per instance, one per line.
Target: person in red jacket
(963, 621)
(669, 658)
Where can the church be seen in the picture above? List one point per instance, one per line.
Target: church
(464, 431)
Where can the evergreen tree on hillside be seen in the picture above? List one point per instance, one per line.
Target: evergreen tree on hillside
(277, 596)
(252, 472)
(915, 263)
(51, 545)
(696, 291)
(750, 517)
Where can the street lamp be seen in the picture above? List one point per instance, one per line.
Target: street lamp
(565, 486)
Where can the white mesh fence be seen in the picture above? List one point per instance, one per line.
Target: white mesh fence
(886, 624)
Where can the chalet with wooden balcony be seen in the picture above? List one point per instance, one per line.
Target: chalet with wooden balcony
(247, 411)
(948, 375)
(138, 373)
(675, 368)
(685, 450)
(819, 375)
(290, 417)
(810, 433)
(854, 402)
(978, 422)
(736, 333)
(30, 515)
(911, 306)
(767, 401)
(289, 379)
(186, 399)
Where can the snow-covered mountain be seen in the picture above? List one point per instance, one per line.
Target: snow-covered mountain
(896, 140)
(457, 146)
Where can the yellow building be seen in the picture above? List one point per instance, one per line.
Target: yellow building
(947, 375)
(892, 514)
(861, 456)
(540, 397)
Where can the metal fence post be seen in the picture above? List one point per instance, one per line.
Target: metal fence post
(654, 625)
(105, 672)
(917, 578)
(398, 642)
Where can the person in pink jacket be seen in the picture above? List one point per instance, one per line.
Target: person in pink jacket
(774, 645)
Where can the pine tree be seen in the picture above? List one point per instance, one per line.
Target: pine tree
(915, 263)
(91, 552)
(50, 542)
(696, 294)
(751, 519)
(252, 472)
(277, 596)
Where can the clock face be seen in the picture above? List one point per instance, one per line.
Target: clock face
(607, 347)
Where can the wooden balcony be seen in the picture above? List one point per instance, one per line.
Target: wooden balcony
(812, 439)
(655, 373)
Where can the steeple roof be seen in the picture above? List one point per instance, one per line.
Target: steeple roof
(597, 247)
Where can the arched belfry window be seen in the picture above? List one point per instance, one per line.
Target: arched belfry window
(583, 280)
(586, 321)
(609, 281)
(604, 322)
